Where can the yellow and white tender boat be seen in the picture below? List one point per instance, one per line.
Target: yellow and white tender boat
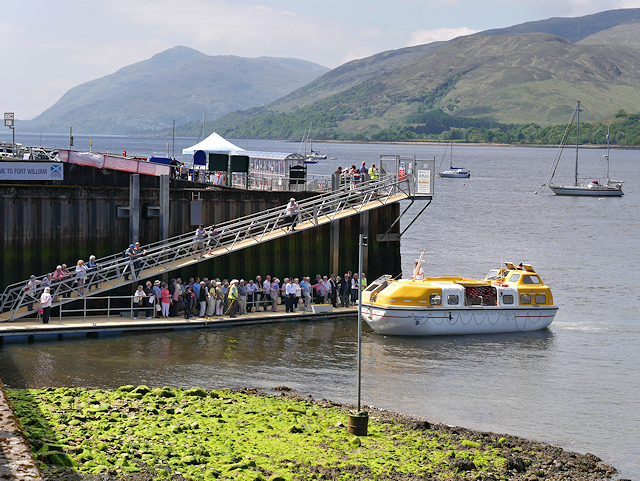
(511, 299)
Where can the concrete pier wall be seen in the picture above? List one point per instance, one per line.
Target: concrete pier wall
(45, 225)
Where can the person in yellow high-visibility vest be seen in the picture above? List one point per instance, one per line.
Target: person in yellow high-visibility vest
(373, 172)
(233, 297)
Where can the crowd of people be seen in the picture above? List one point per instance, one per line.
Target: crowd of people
(207, 298)
(204, 298)
(353, 175)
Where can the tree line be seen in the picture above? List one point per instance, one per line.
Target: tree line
(434, 125)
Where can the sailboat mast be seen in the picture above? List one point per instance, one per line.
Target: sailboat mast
(608, 129)
(575, 180)
(203, 122)
(451, 150)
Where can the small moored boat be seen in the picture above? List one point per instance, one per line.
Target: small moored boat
(453, 172)
(511, 299)
(594, 188)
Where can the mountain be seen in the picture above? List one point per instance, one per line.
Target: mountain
(627, 35)
(177, 84)
(507, 78)
(573, 29)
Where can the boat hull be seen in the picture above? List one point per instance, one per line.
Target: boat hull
(462, 174)
(599, 191)
(465, 320)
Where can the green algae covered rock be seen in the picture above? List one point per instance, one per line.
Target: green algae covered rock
(196, 391)
(142, 389)
(470, 444)
(62, 459)
(198, 435)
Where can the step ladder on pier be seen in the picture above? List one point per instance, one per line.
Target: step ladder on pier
(177, 252)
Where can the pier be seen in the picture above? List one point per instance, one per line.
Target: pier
(69, 328)
(325, 231)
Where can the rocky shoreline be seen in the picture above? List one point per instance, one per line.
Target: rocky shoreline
(147, 434)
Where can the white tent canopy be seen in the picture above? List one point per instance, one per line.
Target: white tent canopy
(214, 144)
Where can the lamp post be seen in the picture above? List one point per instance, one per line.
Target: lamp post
(362, 243)
(8, 122)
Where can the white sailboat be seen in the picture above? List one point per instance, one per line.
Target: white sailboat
(612, 188)
(313, 157)
(454, 172)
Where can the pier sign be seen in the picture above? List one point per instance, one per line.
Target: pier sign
(31, 171)
(8, 119)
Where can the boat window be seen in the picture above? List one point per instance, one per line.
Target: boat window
(531, 280)
(541, 299)
(514, 277)
(493, 274)
(453, 300)
(507, 299)
(435, 299)
(525, 299)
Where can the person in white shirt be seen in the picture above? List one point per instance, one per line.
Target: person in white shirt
(290, 300)
(418, 272)
(252, 296)
(291, 214)
(81, 274)
(45, 305)
(198, 241)
(266, 285)
(31, 292)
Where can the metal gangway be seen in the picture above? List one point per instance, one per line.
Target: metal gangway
(236, 234)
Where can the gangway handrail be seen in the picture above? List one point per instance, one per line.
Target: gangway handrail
(131, 308)
(164, 255)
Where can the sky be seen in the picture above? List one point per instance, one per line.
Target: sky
(50, 46)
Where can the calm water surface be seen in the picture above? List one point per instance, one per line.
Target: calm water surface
(576, 384)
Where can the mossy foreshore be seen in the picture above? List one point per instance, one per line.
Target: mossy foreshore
(156, 434)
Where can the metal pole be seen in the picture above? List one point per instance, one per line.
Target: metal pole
(575, 181)
(360, 249)
(608, 131)
(108, 307)
(173, 147)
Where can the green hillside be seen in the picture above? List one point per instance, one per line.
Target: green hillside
(502, 79)
(627, 35)
(576, 28)
(177, 84)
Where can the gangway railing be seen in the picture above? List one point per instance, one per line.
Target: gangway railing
(177, 252)
(108, 307)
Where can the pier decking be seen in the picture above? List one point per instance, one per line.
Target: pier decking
(32, 329)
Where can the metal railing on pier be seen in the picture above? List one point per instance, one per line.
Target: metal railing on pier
(110, 306)
(167, 255)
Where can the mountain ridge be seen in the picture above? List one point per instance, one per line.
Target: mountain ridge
(176, 84)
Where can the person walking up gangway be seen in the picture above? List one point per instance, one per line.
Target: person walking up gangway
(291, 214)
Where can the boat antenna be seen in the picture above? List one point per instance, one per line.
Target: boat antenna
(417, 269)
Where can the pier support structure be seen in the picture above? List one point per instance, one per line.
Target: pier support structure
(334, 237)
(364, 230)
(134, 207)
(164, 206)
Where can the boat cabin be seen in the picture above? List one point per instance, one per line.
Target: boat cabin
(510, 286)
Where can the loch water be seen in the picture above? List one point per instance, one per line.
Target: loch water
(576, 384)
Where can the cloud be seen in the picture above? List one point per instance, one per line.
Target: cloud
(421, 37)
